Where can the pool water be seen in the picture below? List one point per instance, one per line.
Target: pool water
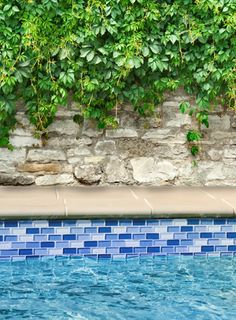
(162, 289)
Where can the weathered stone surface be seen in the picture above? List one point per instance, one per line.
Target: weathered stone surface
(88, 174)
(93, 159)
(215, 154)
(19, 131)
(146, 170)
(142, 151)
(15, 179)
(121, 133)
(78, 151)
(90, 129)
(116, 171)
(22, 141)
(179, 120)
(161, 136)
(37, 167)
(230, 152)
(7, 167)
(48, 180)
(219, 123)
(208, 171)
(105, 147)
(17, 155)
(64, 127)
(45, 155)
(177, 151)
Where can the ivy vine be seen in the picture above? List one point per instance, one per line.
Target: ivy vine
(107, 52)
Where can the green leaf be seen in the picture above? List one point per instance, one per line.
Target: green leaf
(173, 38)
(145, 51)
(184, 106)
(84, 52)
(155, 48)
(7, 7)
(90, 56)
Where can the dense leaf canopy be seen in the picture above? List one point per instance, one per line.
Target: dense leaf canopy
(106, 52)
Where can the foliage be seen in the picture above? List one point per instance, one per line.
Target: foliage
(106, 52)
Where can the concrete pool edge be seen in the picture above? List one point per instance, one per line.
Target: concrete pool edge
(58, 202)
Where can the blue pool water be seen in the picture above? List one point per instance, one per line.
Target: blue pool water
(162, 289)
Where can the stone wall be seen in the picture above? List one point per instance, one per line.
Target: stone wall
(151, 151)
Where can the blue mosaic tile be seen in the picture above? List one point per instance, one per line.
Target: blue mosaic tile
(186, 229)
(125, 236)
(104, 229)
(47, 244)
(55, 223)
(90, 243)
(126, 250)
(206, 235)
(207, 248)
(152, 236)
(32, 230)
(10, 224)
(139, 222)
(231, 235)
(25, 252)
(111, 223)
(117, 238)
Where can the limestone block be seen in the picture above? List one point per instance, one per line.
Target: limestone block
(25, 141)
(121, 133)
(38, 167)
(93, 159)
(164, 136)
(78, 151)
(219, 123)
(105, 147)
(45, 155)
(64, 127)
(147, 169)
(48, 179)
(208, 171)
(88, 174)
(7, 167)
(215, 154)
(16, 179)
(230, 152)
(17, 155)
(179, 120)
(115, 171)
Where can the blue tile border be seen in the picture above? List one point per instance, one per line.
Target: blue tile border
(117, 238)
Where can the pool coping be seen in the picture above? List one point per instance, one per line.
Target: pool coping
(88, 202)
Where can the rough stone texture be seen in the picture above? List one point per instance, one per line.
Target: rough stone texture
(24, 141)
(150, 170)
(64, 127)
(16, 179)
(142, 151)
(105, 147)
(88, 174)
(17, 155)
(48, 180)
(121, 133)
(44, 155)
(116, 171)
(38, 167)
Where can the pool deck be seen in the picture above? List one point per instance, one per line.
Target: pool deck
(109, 202)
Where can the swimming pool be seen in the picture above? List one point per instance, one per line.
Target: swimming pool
(149, 288)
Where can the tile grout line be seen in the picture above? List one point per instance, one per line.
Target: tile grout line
(229, 204)
(134, 194)
(65, 207)
(149, 205)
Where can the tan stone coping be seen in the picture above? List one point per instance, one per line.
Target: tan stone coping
(109, 202)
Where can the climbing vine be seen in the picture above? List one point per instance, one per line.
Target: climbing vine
(102, 53)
